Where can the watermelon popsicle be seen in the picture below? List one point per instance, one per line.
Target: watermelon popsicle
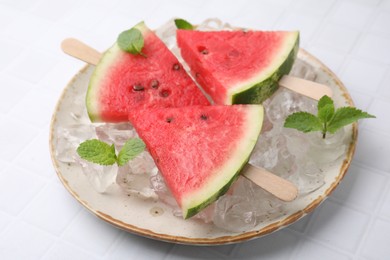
(123, 81)
(244, 67)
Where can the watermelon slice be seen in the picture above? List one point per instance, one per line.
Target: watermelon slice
(123, 81)
(199, 150)
(238, 67)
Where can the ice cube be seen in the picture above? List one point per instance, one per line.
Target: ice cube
(245, 207)
(135, 183)
(100, 177)
(161, 189)
(69, 138)
(116, 134)
(327, 150)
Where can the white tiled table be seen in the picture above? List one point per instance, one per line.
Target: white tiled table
(40, 220)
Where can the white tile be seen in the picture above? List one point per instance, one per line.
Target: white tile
(21, 4)
(360, 99)
(358, 14)
(36, 107)
(338, 226)
(337, 37)
(332, 59)
(385, 5)
(134, 247)
(313, 250)
(301, 225)
(377, 243)
(15, 89)
(258, 18)
(278, 245)
(384, 89)
(361, 187)
(380, 109)
(381, 23)
(385, 207)
(32, 65)
(52, 210)
(18, 188)
(85, 17)
(61, 74)
(375, 47)
(8, 52)
(27, 28)
(7, 16)
(315, 7)
(54, 9)
(36, 156)
(373, 149)
(65, 251)
(362, 75)
(307, 24)
(91, 233)
(15, 135)
(189, 252)
(23, 241)
(5, 220)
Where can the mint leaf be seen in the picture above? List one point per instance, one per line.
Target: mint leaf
(130, 150)
(325, 109)
(97, 151)
(326, 113)
(183, 24)
(303, 121)
(131, 41)
(325, 100)
(345, 116)
(327, 119)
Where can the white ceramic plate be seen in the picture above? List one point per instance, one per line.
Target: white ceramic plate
(154, 219)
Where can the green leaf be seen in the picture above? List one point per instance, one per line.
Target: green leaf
(345, 116)
(183, 24)
(303, 121)
(131, 41)
(324, 100)
(130, 150)
(326, 113)
(97, 151)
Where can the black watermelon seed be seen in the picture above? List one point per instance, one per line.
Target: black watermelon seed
(154, 83)
(205, 52)
(138, 87)
(176, 66)
(203, 117)
(169, 119)
(165, 93)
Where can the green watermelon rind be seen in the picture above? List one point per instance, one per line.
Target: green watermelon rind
(230, 171)
(108, 58)
(264, 86)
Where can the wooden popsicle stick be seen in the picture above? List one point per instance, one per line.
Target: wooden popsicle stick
(305, 87)
(82, 51)
(277, 186)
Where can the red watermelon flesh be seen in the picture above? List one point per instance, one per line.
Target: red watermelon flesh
(199, 150)
(238, 66)
(122, 81)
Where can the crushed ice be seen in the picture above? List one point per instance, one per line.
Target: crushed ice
(298, 157)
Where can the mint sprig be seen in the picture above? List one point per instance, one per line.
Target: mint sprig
(327, 120)
(99, 152)
(131, 41)
(183, 24)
